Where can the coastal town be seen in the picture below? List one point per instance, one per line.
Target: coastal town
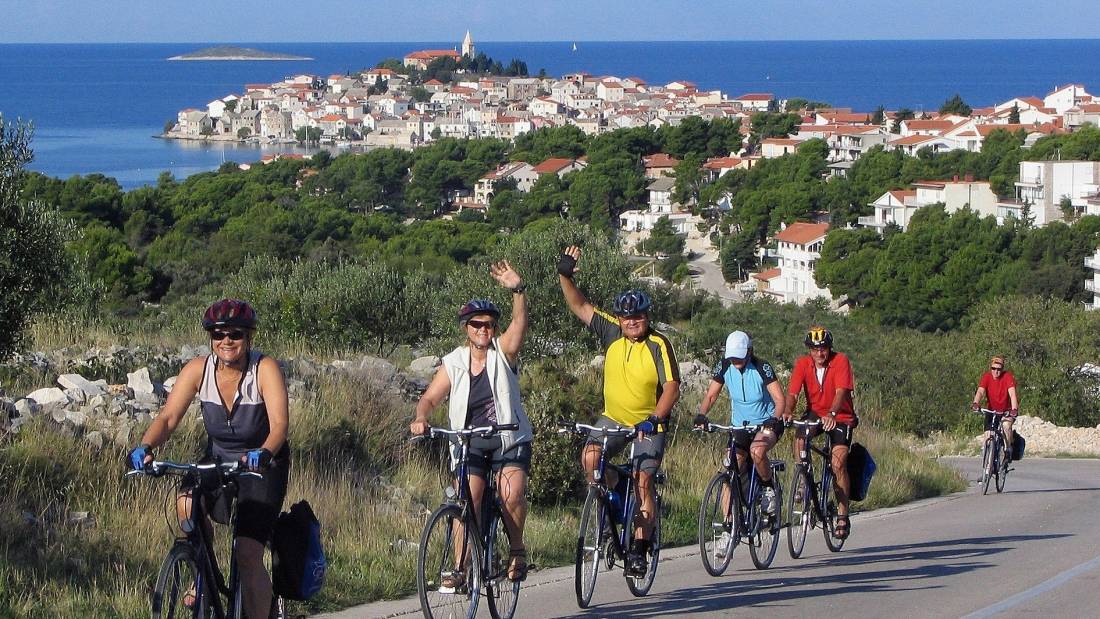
(380, 107)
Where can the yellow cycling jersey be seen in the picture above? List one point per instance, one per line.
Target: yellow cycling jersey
(634, 373)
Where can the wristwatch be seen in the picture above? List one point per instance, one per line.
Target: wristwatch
(519, 289)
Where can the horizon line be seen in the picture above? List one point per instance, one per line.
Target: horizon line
(563, 41)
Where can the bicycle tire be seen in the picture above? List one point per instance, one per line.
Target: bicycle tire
(766, 537)
(1002, 465)
(503, 593)
(639, 587)
(714, 520)
(830, 507)
(589, 545)
(435, 559)
(236, 611)
(178, 573)
(800, 511)
(987, 464)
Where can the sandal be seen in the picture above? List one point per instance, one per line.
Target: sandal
(517, 568)
(843, 526)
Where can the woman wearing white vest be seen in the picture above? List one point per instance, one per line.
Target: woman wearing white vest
(480, 380)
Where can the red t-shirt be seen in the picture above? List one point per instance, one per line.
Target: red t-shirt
(996, 390)
(819, 396)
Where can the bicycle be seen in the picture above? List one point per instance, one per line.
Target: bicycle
(726, 518)
(190, 568)
(458, 557)
(994, 462)
(812, 503)
(600, 538)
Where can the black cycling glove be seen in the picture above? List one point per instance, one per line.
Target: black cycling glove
(566, 265)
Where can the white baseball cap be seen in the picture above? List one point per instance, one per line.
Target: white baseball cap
(738, 344)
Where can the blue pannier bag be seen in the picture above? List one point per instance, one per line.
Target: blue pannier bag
(861, 468)
(298, 560)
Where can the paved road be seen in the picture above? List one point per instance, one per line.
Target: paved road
(1032, 551)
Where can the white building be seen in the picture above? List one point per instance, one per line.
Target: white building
(660, 205)
(1044, 184)
(798, 250)
(1092, 284)
(893, 208)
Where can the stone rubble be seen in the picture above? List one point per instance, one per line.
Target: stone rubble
(1043, 438)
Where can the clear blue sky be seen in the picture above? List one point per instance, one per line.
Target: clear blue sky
(119, 21)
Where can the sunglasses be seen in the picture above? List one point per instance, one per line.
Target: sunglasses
(479, 324)
(634, 317)
(996, 369)
(236, 335)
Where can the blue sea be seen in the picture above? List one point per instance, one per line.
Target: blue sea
(96, 108)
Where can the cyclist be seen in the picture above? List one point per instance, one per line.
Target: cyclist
(826, 377)
(756, 398)
(998, 386)
(243, 398)
(480, 379)
(641, 384)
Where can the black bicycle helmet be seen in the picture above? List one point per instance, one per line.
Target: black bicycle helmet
(229, 313)
(631, 302)
(819, 336)
(477, 306)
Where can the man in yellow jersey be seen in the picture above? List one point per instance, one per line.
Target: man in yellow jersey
(641, 383)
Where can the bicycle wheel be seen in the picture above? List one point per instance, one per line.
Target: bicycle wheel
(716, 525)
(445, 539)
(640, 587)
(1002, 465)
(829, 506)
(801, 512)
(765, 540)
(179, 575)
(987, 464)
(589, 545)
(503, 592)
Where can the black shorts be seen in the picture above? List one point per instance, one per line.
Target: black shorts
(486, 453)
(991, 420)
(259, 501)
(841, 434)
(648, 452)
(744, 438)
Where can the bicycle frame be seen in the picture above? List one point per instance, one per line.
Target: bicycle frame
(209, 582)
(806, 460)
(732, 469)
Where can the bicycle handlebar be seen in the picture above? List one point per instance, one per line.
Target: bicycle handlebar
(986, 411)
(806, 423)
(717, 427)
(467, 433)
(157, 468)
(573, 427)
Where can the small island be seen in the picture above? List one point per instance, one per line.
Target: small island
(229, 52)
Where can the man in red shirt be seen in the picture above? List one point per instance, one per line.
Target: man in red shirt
(998, 387)
(826, 377)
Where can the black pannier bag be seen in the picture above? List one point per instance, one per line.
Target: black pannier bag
(861, 468)
(298, 560)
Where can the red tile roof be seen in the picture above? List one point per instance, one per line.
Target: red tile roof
(755, 96)
(660, 160)
(720, 163)
(801, 233)
(767, 275)
(552, 166)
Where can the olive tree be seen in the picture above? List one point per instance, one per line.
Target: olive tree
(33, 262)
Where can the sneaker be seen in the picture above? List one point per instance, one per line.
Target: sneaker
(452, 582)
(722, 545)
(768, 502)
(636, 564)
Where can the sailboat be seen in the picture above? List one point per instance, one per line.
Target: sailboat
(574, 46)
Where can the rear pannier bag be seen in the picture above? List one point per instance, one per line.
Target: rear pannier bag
(298, 560)
(1018, 445)
(861, 468)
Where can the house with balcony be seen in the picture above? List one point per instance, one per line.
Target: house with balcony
(1043, 186)
(893, 208)
(1092, 284)
(777, 147)
(660, 205)
(896, 207)
(798, 248)
(850, 142)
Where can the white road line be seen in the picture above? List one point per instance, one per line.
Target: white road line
(1035, 591)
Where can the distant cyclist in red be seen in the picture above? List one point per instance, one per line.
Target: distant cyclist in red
(998, 387)
(826, 377)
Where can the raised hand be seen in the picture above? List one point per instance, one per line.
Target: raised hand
(570, 257)
(505, 275)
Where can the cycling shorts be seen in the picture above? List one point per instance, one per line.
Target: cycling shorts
(744, 438)
(648, 452)
(991, 420)
(841, 434)
(486, 453)
(259, 501)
